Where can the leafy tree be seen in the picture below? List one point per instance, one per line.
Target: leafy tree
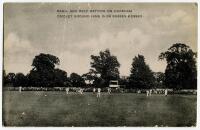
(61, 78)
(20, 80)
(10, 78)
(35, 79)
(124, 82)
(45, 62)
(42, 78)
(92, 77)
(106, 65)
(159, 79)
(181, 71)
(44, 73)
(99, 82)
(141, 75)
(88, 77)
(77, 80)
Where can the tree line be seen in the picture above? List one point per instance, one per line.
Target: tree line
(180, 72)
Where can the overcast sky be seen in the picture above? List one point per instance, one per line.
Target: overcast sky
(30, 29)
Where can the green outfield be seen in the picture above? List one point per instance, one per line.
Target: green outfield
(54, 108)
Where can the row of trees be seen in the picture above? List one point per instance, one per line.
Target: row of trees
(180, 71)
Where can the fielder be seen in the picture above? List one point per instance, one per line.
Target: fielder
(98, 93)
(81, 91)
(166, 92)
(67, 90)
(94, 90)
(109, 90)
(147, 92)
(150, 92)
(20, 89)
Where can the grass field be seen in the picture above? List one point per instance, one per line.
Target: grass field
(127, 109)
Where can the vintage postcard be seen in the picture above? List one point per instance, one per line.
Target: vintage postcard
(100, 64)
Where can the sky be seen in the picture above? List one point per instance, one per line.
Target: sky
(31, 29)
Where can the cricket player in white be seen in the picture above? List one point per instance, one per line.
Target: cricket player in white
(147, 91)
(98, 92)
(67, 90)
(150, 91)
(20, 89)
(81, 91)
(94, 90)
(165, 92)
(109, 90)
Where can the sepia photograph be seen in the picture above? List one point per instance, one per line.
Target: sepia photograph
(99, 64)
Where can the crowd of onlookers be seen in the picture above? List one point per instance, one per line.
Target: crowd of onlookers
(105, 89)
